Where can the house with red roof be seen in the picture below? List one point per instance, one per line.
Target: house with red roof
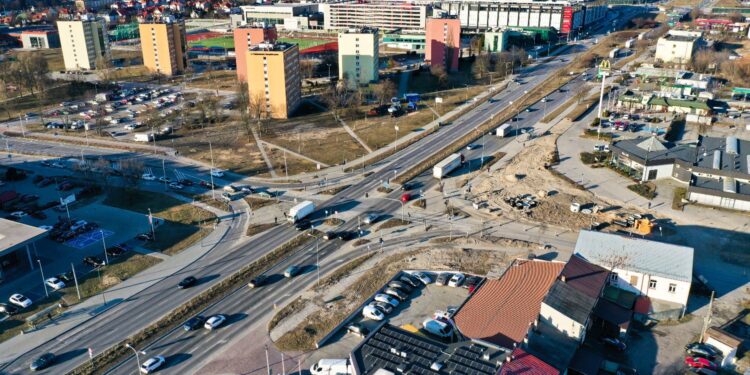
(522, 363)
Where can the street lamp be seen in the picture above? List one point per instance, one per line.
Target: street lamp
(104, 246)
(137, 358)
(43, 280)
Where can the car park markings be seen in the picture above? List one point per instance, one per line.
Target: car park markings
(88, 238)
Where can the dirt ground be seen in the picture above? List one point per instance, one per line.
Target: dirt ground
(349, 286)
(526, 175)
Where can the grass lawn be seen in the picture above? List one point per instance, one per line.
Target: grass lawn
(52, 98)
(305, 43)
(184, 223)
(232, 149)
(220, 41)
(221, 79)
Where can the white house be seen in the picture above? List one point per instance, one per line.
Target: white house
(661, 271)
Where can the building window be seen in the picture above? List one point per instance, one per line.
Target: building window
(652, 284)
(613, 276)
(672, 288)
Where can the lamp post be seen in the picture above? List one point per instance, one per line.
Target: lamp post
(137, 358)
(43, 282)
(211, 149)
(104, 246)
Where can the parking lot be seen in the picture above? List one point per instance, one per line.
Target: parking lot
(422, 304)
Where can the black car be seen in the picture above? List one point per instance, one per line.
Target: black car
(472, 282)
(258, 281)
(93, 261)
(410, 280)
(346, 235)
(145, 237)
(302, 225)
(185, 182)
(443, 278)
(115, 251)
(401, 286)
(706, 351)
(194, 323)
(187, 282)
(42, 362)
(8, 309)
(330, 235)
(66, 277)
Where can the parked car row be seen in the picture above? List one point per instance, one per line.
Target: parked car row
(458, 280)
(65, 230)
(395, 292)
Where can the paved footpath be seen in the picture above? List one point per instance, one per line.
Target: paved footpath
(95, 305)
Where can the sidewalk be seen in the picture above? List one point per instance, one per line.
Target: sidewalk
(93, 306)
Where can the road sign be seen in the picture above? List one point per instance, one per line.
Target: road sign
(438, 99)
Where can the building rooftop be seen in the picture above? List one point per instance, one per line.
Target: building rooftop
(278, 5)
(393, 349)
(570, 302)
(586, 277)
(680, 38)
(644, 256)
(277, 46)
(613, 313)
(721, 185)
(657, 153)
(729, 154)
(682, 103)
(501, 311)
(523, 363)
(14, 235)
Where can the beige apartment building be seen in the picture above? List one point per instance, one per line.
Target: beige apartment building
(677, 47)
(383, 15)
(164, 46)
(358, 56)
(273, 79)
(83, 42)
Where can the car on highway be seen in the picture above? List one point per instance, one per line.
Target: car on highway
(700, 362)
(185, 182)
(357, 330)
(384, 307)
(145, 237)
(400, 286)
(372, 313)
(165, 179)
(443, 278)
(194, 323)
(187, 282)
(20, 300)
(405, 197)
(8, 309)
(371, 218)
(66, 277)
(55, 283)
(393, 292)
(291, 271)
(456, 280)
(386, 299)
(93, 261)
(42, 362)
(330, 235)
(152, 364)
(302, 225)
(707, 351)
(214, 322)
(422, 277)
(471, 146)
(148, 177)
(175, 186)
(258, 281)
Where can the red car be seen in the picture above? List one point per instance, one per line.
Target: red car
(405, 197)
(698, 362)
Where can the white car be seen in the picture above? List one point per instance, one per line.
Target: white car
(217, 173)
(176, 186)
(371, 312)
(152, 364)
(423, 278)
(55, 283)
(148, 177)
(45, 227)
(456, 280)
(214, 322)
(18, 214)
(20, 300)
(386, 299)
(371, 218)
(58, 165)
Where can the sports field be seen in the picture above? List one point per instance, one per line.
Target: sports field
(305, 43)
(222, 41)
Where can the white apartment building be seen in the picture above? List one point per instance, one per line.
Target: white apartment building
(358, 56)
(274, 14)
(383, 15)
(82, 42)
(661, 271)
(677, 47)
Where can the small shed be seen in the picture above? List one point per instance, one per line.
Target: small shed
(724, 341)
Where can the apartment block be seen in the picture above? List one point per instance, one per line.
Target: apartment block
(246, 36)
(442, 42)
(274, 81)
(358, 56)
(677, 46)
(83, 41)
(164, 46)
(383, 15)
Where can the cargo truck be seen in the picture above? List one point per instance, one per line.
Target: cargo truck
(503, 130)
(614, 53)
(143, 137)
(300, 211)
(450, 163)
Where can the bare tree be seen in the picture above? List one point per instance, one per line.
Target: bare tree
(132, 172)
(385, 90)
(481, 67)
(337, 97)
(243, 105)
(580, 93)
(440, 74)
(477, 45)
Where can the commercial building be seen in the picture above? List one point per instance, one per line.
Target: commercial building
(568, 16)
(83, 42)
(40, 39)
(495, 40)
(246, 36)
(677, 47)
(358, 56)
(83, 5)
(443, 42)
(274, 80)
(383, 15)
(275, 14)
(16, 244)
(164, 46)
(660, 271)
(409, 42)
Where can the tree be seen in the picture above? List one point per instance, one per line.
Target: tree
(580, 93)
(307, 68)
(243, 98)
(476, 45)
(440, 74)
(481, 67)
(132, 170)
(256, 108)
(337, 97)
(105, 68)
(385, 91)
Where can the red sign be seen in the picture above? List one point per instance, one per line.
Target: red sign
(567, 20)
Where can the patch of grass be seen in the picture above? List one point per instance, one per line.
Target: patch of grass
(583, 107)
(559, 110)
(678, 195)
(392, 223)
(646, 190)
(305, 43)
(344, 271)
(290, 309)
(333, 221)
(421, 203)
(254, 229)
(592, 133)
(383, 189)
(220, 41)
(256, 203)
(173, 237)
(589, 158)
(334, 191)
(360, 242)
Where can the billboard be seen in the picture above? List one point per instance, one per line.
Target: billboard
(567, 20)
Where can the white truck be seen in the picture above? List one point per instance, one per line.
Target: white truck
(630, 43)
(332, 367)
(613, 53)
(503, 130)
(450, 163)
(300, 211)
(143, 137)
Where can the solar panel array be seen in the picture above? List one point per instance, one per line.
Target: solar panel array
(401, 352)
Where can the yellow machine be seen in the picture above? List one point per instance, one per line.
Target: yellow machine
(643, 226)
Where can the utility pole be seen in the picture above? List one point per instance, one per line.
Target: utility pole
(211, 149)
(75, 279)
(268, 363)
(707, 319)
(41, 270)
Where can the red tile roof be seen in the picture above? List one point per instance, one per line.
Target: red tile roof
(523, 363)
(501, 311)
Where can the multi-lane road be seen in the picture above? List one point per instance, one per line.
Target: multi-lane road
(154, 302)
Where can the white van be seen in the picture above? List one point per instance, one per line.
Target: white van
(332, 367)
(437, 328)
